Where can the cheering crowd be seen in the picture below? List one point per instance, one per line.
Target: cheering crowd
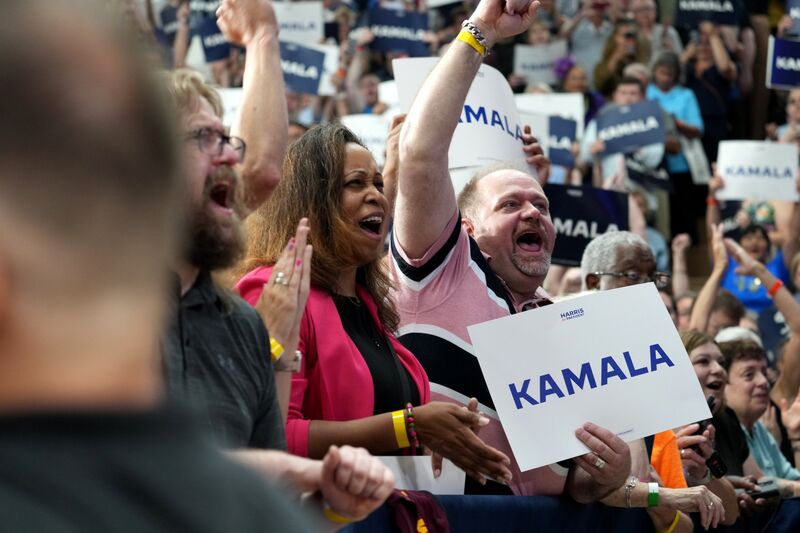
(220, 329)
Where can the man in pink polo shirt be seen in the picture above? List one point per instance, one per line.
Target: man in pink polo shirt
(458, 265)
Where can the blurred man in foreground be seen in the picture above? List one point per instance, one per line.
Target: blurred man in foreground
(87, 195)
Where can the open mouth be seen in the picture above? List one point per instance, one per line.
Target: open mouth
(220, 195)
(530, 241)
(372, 224)
(715, 385)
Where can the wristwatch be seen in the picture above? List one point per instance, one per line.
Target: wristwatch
(287, 363)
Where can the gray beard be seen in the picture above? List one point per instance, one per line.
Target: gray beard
(538, 267)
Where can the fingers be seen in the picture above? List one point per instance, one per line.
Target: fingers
(471, 417)
(605, 436)
(436, 465)
(296, 251)
(329, 465)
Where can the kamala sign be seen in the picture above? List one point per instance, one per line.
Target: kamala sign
(625, 129)
(489, 128)
(757, 170)
(783, 64)
(613, 358)
(690, 13)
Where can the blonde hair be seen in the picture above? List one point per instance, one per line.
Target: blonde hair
(185, 87)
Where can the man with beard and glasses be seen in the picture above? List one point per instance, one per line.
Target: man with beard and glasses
(217, 349)
(483, 257)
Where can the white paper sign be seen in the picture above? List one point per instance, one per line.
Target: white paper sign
(329, 68)
(373, 131)
(613, 358)
(567, 105)
(757, 170)
(231, 102)
(414, 472)
(300, 22)
(489, 130)
(387, 92)
(535, 63)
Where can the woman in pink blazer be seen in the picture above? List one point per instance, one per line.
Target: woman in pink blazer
(357, 385)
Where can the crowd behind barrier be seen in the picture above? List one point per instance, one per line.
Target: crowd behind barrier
(316, 188)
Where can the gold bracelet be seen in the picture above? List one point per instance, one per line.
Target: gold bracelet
(400, 431)
(333, 516)
(470, 39)
(674, 523)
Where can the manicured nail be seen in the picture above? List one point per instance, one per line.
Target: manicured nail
(437, 473)
(483, 421)
(299, 262)
(291, 244)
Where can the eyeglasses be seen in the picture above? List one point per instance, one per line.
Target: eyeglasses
(661, 279)
(212, 142)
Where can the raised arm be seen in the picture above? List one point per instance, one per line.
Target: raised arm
(425, 196)
(262, 120)
(701, 311)
(791, 242)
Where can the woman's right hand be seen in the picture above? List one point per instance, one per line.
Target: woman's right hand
(695, 499)
(447, 429)
(283, 299)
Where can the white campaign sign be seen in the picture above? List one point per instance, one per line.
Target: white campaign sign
(414, 472)
(535, 63)
(613, 358)
(757, 170)
(372, 130)
(231, 102)
(489, 129)
(566, 105)
(300, 22)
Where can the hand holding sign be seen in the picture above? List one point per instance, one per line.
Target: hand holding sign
(609, 462)
(241, 21)
(498, 19)
(534, 155)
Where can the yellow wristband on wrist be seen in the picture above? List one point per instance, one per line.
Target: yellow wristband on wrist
(400, 432)
(276, 349)
(333, 516)
(470, 39)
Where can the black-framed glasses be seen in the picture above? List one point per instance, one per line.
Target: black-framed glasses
(212, 142)
(661, 279)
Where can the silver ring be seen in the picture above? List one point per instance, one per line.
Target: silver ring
(683, 450)
(710, 505)
(599, 463)
(280, 279)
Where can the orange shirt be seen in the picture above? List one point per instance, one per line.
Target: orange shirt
(666, 459)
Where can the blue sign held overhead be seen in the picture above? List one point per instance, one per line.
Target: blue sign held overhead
(559, 146)
(579, 215)
(625, 129)
(690, 13)
(302, 67)
(783, 64)
(215, 46)
(399, 31)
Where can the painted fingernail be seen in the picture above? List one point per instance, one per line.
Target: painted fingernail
(291, 244)
(483, 421)
(437, 473)
(299, 262)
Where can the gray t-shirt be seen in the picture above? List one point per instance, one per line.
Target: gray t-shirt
(586, 44)
(217, 361)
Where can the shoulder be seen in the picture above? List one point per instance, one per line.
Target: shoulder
(252, 283)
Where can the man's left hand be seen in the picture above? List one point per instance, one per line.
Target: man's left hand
(354, 483)
(609, 462)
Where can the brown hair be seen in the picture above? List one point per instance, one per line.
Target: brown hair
(312, 186)
(694, 339)
(744, 350)
(186, 87)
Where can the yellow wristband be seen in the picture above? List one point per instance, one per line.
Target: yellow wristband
(333, 516)
(400, 433)
(674, 523)
(470, 39)
(276, 349)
